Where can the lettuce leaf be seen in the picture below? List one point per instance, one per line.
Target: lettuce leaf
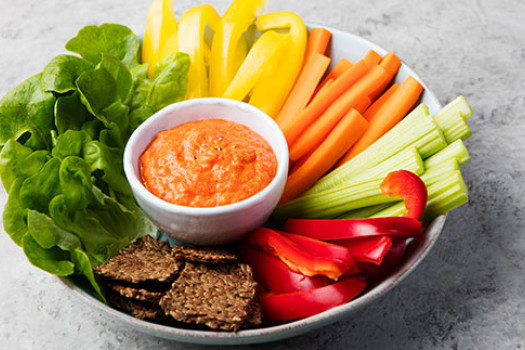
(27, 109)
(114, 39)
(62, 136)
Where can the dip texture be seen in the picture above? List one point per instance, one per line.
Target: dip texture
(207, 163)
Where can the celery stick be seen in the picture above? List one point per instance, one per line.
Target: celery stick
(452, 119)
(407, 159)
(332, 203)
(417, 129)
(455, 150)
(457, 106)
(364, 212)
(443, 196)
(440, 172)
(454, 127)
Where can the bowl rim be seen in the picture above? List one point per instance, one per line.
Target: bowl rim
(281, 155)
(278, 332)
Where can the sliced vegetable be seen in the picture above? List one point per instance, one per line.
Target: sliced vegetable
(320, 248)
(230, 29)
(321, 128)
(342, 66)
(390, 263)
(325, 155)
(328, 230)
(333, 202)
(417, 129)
(271, 90)
(318, 40)
(288, 306)
(259, 57)
(378, 103)
(408, 186)
(455, 150)
(443, 196)
(304, 87)
(192, 28)
(293, 128)
(392, 111)
(356, 97)
(296, 257)
(274, 275)
(160, 37)
(367, 249)
(372, 59)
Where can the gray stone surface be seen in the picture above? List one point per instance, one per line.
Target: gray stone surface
(467, 294)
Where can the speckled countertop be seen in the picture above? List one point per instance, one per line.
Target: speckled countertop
(469, 293)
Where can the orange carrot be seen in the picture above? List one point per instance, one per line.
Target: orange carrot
(304, 87)
(390, 62)
(318, 40)
(314, 135)
(346, 132)
(392, 111)
(342, 66)
(355, 97)
(369, 113)
(293, 128)
(372, 58)
(327, 83)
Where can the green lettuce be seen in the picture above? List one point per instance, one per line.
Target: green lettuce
(62, 136)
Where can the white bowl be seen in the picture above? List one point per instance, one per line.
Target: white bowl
(214, 225)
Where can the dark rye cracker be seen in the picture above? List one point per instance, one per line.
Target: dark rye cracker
(146, 260)
(138, 309)
(136, 293)
(203, 255)
(217, 295)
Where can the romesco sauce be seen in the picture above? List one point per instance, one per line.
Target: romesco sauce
(207, 163)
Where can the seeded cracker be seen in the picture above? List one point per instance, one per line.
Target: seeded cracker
(217, 295)
(135, 292)
(138, 309)
(203, 255)
(146, 260)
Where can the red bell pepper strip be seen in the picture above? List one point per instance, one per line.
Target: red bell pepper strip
(320, 248)
(391, 261)
(274, 276)
(295, 256)
(409, 187)
(352, 228)
(367, 249)
(289, 306)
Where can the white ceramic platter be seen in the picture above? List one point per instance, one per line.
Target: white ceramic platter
(353, 48)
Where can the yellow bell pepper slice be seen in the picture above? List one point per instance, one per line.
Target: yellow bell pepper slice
(273, 87)
(235, 21)
(160, 37)
(261, 53)
(192, 27)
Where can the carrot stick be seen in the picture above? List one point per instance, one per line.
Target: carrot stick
(392, 111)
(327, 83)
(346, 132)
(317, 42)
(293, 128)
(300, 162)
(369, 113)
(372, 58)
(304, 87)
(314, 135)
(342, 66)
(390, 62)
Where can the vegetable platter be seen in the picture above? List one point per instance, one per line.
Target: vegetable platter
(368, 142)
